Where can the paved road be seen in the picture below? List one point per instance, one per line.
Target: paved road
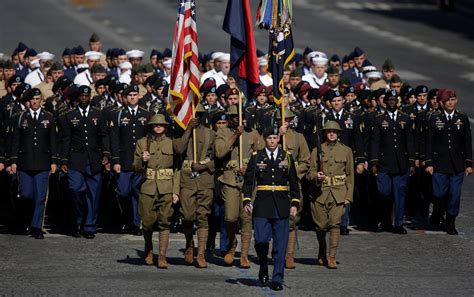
(427, 46)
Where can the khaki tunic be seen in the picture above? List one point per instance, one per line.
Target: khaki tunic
(229, 157)
(338, 166)
(159, 182)
(296, 145)
(46, 89)
(197, 193)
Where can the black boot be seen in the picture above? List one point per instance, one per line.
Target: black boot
(450, 225)
(262, 253)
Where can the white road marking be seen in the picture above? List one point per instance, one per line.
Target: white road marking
(384, 6)
(432, 49)
(468, 76)
(410, 75)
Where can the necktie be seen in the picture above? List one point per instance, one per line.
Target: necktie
(133, 112)
(35, 116)
(450, 117)
(272, 157)
(337, 116)
(84, 113)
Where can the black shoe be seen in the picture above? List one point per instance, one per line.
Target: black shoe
(399, 230)
(450, 225)
(88, 235)
(263, 275)
(385, 227)
(76, 232)
(37, 233)
(344, 231)
(276, 286)
(210, 247)
(28, 230)
(124, 229)
(137, 231)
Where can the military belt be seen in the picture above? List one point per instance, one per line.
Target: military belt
(272, 188)
(234, 164)
(187, 164)
(337, 180)
(160, 174)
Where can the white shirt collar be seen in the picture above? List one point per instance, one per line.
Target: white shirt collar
(338, 113)
(393, 113)
(86, 109)
(448, 114)
(133, 108)
(275, 153)
(418, 106)
(37, 112)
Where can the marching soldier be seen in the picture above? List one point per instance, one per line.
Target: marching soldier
(84, 149)
(392, 160)
(154, 161)
(295, 144)
(272, 172)
(34, 157)
(128, 125)
(197, 184)
(227, 149)
(351, 136)
(333, 169)
(448, 154)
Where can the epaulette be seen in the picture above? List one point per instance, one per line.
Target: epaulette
(48, 112)
(350, 112)
(378, 115)
(144, 109)
(460, 112)
(404, 113)
(95, 108)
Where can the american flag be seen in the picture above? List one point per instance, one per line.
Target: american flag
(184, 83)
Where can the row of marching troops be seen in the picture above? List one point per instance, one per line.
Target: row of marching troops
(92, 119)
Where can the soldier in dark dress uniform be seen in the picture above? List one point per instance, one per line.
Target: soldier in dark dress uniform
(272, 172)
(392, 160)
(34, 156)
(449, 154)
(84, 149)
(129, 123)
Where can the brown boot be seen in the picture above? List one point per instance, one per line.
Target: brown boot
(188, 234)
(290, 251)
(334, 235)
(230, 253)
(246, 237)
(322, 255)
(164, 239)
(332, 263)
(202, 239)
(148, 235)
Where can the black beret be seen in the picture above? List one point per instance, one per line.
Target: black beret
(390, 94)
(270, 131)
(84, 90)
(421, 89)
(67, 51)
(130, 89)
(15, 79)
(432, 93)
(21, 88)
(29, 94)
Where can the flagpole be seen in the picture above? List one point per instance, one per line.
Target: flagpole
(194, 137)
(283, 121)
(241, 151)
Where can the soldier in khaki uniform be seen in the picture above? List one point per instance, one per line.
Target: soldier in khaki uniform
(333, 169)
(227, 149)
(197, 184)
(296, 145)
(160, 188)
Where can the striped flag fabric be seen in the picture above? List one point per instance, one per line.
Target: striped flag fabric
(184, 80)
